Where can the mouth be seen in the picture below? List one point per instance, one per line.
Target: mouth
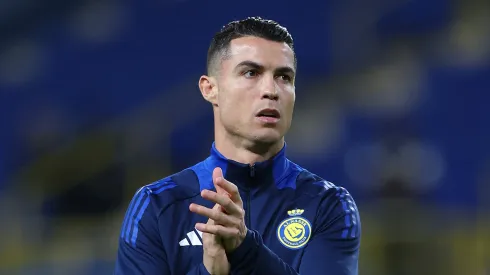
(273, 113)
(269, 115)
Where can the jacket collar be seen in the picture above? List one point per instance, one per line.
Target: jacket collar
(247, 176)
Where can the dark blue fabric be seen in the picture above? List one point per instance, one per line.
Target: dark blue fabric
(293, 216)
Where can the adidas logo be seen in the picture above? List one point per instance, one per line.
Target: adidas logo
(192, 238)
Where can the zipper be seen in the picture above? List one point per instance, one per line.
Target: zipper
(252, 170)
(247, 214)
(249, 204)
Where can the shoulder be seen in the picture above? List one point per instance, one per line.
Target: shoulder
(329, 192)
(310, 183)
(150, 200)
(168, 190)
(335, 203)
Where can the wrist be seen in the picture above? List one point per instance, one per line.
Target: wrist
(215, 262)
(236, 242)
(246, 254)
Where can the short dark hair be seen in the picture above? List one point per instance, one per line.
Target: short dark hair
(251, 26)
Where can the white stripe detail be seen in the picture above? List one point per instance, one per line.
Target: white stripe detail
(194, 238)
(327, 184)
(200, 233)
(184, 242)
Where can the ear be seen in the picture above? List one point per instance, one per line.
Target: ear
(209, 89)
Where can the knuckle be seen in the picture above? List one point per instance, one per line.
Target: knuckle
(236, 223)
(219, 230)
(228, 203)
(222, 217)
(218, 216)
(233, 223)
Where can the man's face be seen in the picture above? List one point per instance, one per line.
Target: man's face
(256, 90)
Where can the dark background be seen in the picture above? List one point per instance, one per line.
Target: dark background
(98, 98)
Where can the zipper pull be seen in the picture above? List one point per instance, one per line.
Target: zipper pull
(252, 170)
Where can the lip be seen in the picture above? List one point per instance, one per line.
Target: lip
(269, 119)
(272, 111)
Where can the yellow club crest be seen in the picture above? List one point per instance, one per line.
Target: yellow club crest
(294, 232)
(296, 212)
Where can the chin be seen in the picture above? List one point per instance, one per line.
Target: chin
(267, 136)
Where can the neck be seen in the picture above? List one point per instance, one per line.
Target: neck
(244, 151)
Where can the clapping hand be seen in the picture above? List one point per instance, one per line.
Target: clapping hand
(228, 216)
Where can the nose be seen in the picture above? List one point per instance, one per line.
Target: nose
(269, 89)
(270, 95)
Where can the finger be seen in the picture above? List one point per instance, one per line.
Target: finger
(228, 205)
(230, 188)
(217, 216)
(218, 175)
(219, 230)
(218, 208)
(210, 221)
(210, 239)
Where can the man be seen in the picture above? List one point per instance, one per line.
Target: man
(252, 211)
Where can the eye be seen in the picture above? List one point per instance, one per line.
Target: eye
(250, 73)
(285, 78)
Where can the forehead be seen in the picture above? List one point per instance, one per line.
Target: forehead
(265, 52)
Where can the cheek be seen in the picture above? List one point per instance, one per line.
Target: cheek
(236, 95)
(231, 101)
(290, 99)
(232, 105)
(289, 106)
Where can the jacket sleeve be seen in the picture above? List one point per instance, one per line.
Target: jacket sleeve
(333, 249)
(199, 270)
(140, 248)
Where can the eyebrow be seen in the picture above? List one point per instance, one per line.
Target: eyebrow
(257, 66)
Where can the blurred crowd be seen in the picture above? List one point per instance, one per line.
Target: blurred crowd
(100, 97)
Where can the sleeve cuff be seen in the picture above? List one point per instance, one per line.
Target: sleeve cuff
(246, 251)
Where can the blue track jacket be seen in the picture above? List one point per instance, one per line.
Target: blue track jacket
(298, 222)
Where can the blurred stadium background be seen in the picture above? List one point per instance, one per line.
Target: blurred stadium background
(100, 97)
